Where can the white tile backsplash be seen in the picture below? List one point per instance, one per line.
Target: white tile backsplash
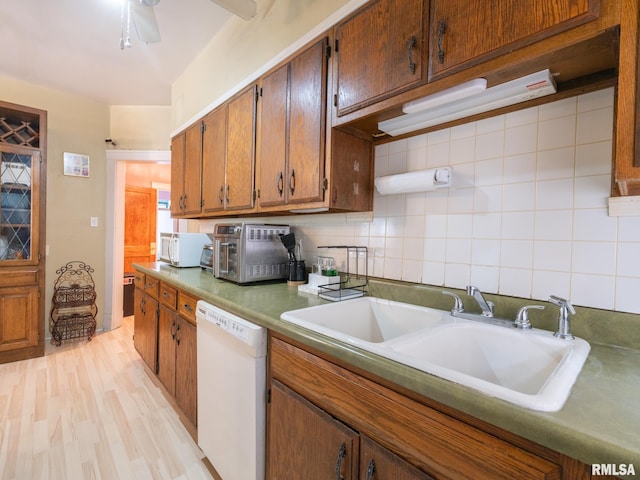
(527, 215)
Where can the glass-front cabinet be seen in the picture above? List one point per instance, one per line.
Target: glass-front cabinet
(23, 151)
(19, 196)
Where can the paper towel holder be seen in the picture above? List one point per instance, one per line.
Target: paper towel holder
(415, 182)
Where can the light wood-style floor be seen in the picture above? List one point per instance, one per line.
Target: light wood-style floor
(88, 410)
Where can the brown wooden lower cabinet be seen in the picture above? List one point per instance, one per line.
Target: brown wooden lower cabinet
(305, 442)
(145, 327)
(19, 322)
(316, 405)
(177, 349)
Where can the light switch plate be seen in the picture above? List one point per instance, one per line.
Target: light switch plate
(94, 221)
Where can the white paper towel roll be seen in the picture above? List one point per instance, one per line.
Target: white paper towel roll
(411, 182)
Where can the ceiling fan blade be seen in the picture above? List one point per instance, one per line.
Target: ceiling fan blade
(144, 18)
(243, 8)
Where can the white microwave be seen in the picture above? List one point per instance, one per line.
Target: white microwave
(183, 249)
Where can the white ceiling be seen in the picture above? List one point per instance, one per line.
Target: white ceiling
(74, 46)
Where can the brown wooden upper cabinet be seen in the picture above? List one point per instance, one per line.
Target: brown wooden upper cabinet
(241, 149)
(465, 32)
(291, 153)
(186, 170)
(214, 150)
(380, 52)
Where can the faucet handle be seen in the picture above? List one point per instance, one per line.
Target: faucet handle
(458, 306)
(564, 326)
(522, 319)
(562, 303)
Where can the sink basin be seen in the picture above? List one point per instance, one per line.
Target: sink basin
(530, 368)
(365, 320)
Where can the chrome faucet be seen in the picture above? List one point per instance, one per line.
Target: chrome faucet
(487, 307)
(564, 327)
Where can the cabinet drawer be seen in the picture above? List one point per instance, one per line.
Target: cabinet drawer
(151, 286)
(187, 306)
(427, 438)
(138, 280)
(168, 295)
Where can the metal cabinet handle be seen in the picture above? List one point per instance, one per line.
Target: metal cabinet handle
(292, 182)
(441, 30)
(281, 184)
(227, 194)
(187, 307)
(412, 64)
(176, 335)
(221, 195)
(341, 454)
(371, 469)
(173, 330)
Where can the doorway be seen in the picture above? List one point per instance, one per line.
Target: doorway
(114, 226)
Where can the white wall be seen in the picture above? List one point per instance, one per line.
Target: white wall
(528, 216)
(78, 125)
(242, 49)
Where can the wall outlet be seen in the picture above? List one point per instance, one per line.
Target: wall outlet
(94, 221)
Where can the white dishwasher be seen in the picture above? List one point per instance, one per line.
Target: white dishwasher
(231, 393)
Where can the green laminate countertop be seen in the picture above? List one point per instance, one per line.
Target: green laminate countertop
(600, 422)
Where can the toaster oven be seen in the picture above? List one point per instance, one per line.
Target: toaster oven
(246, 253)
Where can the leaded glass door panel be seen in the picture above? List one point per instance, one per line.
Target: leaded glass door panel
(19, 193)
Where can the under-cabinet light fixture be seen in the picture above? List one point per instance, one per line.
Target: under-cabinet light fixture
(509, 93)
(464, 90)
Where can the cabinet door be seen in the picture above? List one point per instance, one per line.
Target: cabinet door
(305, 442)
(177, 174)
(187, 369)
(272, 150)
(18, 317)
(193, 170)
(380, 52)
(214, 145)
(19, 210)
(241, 130)
(307, 125)
(464, 32)
(167, 326)
(378, 463)
(145, 328)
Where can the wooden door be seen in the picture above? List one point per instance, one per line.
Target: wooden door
(193, 170)
(178, 144)
(466, 32)
(380, 52)
(167, 325)
(376, 462)
(145, 328)
(140, 220)
(241, 130)
(18, 318)
(214, 146)
(187, 369)
(272, 150)
(307, 125)
(306, 442)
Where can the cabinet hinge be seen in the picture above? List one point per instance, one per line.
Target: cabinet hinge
(39, 293)
(203, 127)
(256, 194)
(257, 95)
(335, 100)
(327, 51)
(260, 91)
(335, 45)
(269, 396)
(325, 183)
(201, 202)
